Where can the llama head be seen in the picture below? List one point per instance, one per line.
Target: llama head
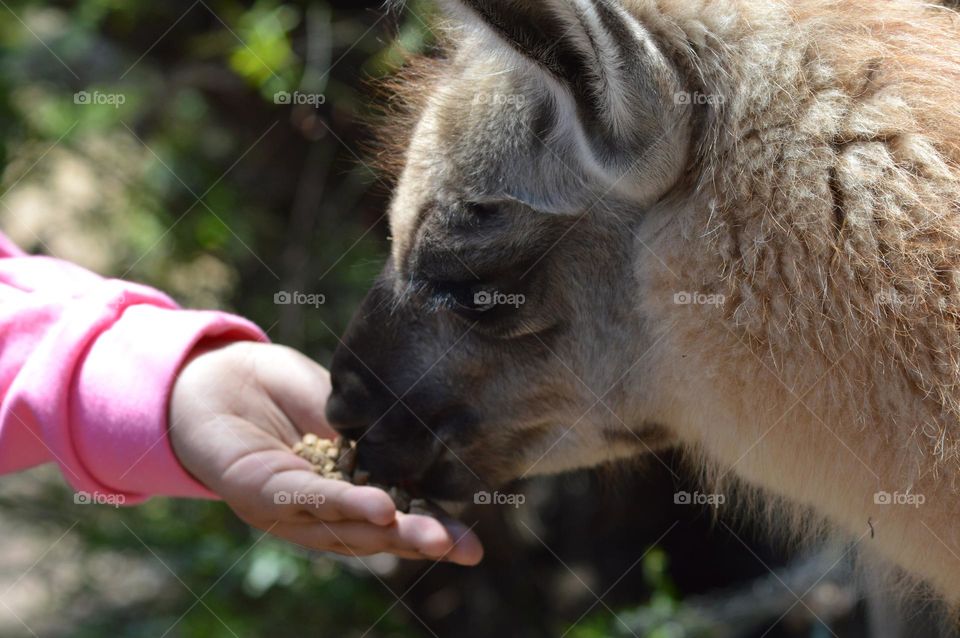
(504, 337)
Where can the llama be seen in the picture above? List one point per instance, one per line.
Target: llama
(729, 226)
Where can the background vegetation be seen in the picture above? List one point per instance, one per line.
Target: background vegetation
(144, 141)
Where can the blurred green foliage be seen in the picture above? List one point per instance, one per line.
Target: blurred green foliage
(656, 615)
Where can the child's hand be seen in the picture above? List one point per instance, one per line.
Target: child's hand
(235, 412)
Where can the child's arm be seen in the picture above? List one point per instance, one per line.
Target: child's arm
(86, 370)
(90, 369)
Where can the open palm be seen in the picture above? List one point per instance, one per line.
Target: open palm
(235, 412)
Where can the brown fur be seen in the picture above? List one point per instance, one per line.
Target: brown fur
(400, 98)
(833, 189)
(821, 198)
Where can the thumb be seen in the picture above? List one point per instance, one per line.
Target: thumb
(299, 386)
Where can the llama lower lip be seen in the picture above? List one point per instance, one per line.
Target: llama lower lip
(337, 459)
(393, 464)
(442, 479)
(449, 480)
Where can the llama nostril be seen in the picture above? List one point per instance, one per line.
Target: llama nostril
(351, 405)
(346, 418)
(353, 434)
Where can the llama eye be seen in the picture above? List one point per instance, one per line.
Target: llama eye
(470, 300)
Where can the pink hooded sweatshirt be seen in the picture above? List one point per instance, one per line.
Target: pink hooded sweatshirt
(86, 369)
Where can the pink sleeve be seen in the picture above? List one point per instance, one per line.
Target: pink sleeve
(86, 369)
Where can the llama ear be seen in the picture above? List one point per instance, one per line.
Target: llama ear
(543, 30)
(594, 47)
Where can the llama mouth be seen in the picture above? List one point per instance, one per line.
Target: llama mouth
(451, 480)
(441, 477)
(339, 459)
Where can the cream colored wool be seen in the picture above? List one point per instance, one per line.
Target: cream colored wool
(832, 180)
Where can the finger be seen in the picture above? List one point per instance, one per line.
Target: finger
(468, 550)
(293, 495)
(346, 551)
(411, 534)
(349, 539)
(355, 503)
(300, 387)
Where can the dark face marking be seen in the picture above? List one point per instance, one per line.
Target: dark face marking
(419, 388)
(447, 396)
(504, 318)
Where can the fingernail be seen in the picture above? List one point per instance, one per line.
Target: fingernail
(457, 530)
